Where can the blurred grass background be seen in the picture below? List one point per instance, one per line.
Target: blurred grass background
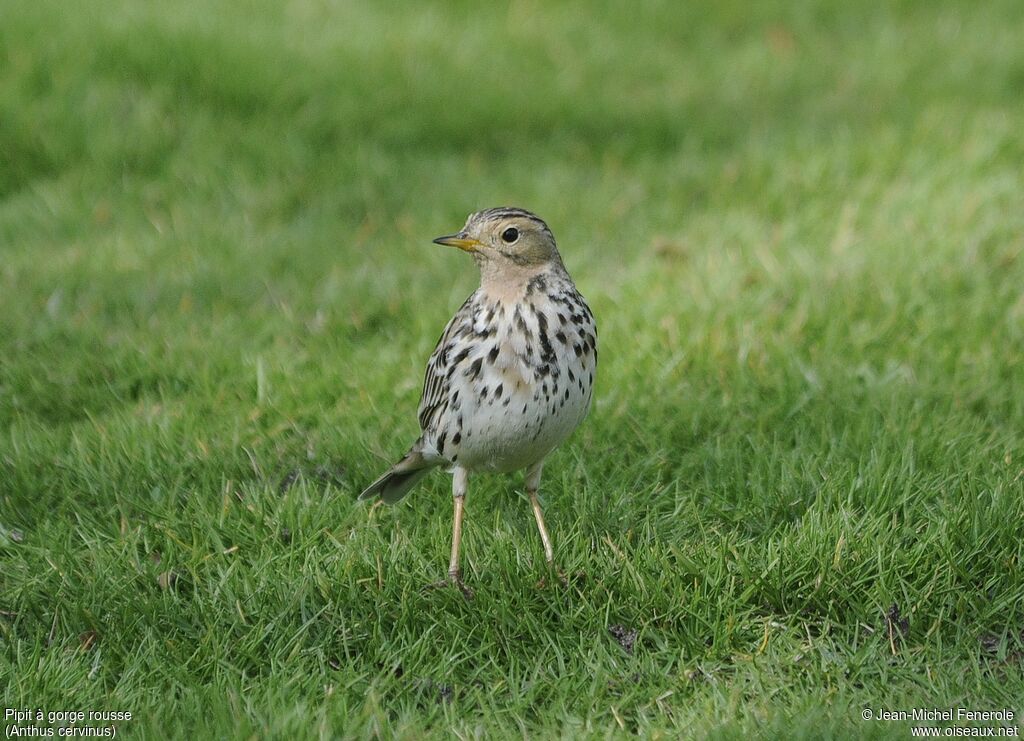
(800, 227)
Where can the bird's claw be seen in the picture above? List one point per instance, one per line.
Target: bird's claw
(454, 578)
(562, 579)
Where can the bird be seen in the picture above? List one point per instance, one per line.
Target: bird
(512, 375)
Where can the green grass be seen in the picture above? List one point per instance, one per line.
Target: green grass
(800, 227)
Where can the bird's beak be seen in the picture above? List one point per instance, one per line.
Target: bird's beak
(460, 240)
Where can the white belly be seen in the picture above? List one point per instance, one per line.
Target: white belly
(520, 427)
(521, 389)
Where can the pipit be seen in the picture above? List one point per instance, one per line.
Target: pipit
(513, 372)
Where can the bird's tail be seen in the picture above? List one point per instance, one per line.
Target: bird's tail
(400, 478)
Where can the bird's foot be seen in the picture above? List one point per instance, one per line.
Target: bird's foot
(562, 579)
(454, 578)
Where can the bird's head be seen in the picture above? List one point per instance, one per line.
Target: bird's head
(506, 238)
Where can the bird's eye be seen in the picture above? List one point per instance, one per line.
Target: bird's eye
(510, 235)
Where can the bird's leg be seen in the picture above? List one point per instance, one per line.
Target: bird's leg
(549, 554)
(454, 572)
(460, 483)
(532, 484)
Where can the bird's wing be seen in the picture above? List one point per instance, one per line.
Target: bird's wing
(436, 379)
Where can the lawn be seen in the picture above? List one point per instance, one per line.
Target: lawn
(799, 493)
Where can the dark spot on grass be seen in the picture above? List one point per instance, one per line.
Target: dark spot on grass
(896, 625)
(993, 645)
(324, 474)
(289, 480)
(286, 536)
(625, 637)
(88, 639)
(618, 686)
(437, 692)
(445, 693)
